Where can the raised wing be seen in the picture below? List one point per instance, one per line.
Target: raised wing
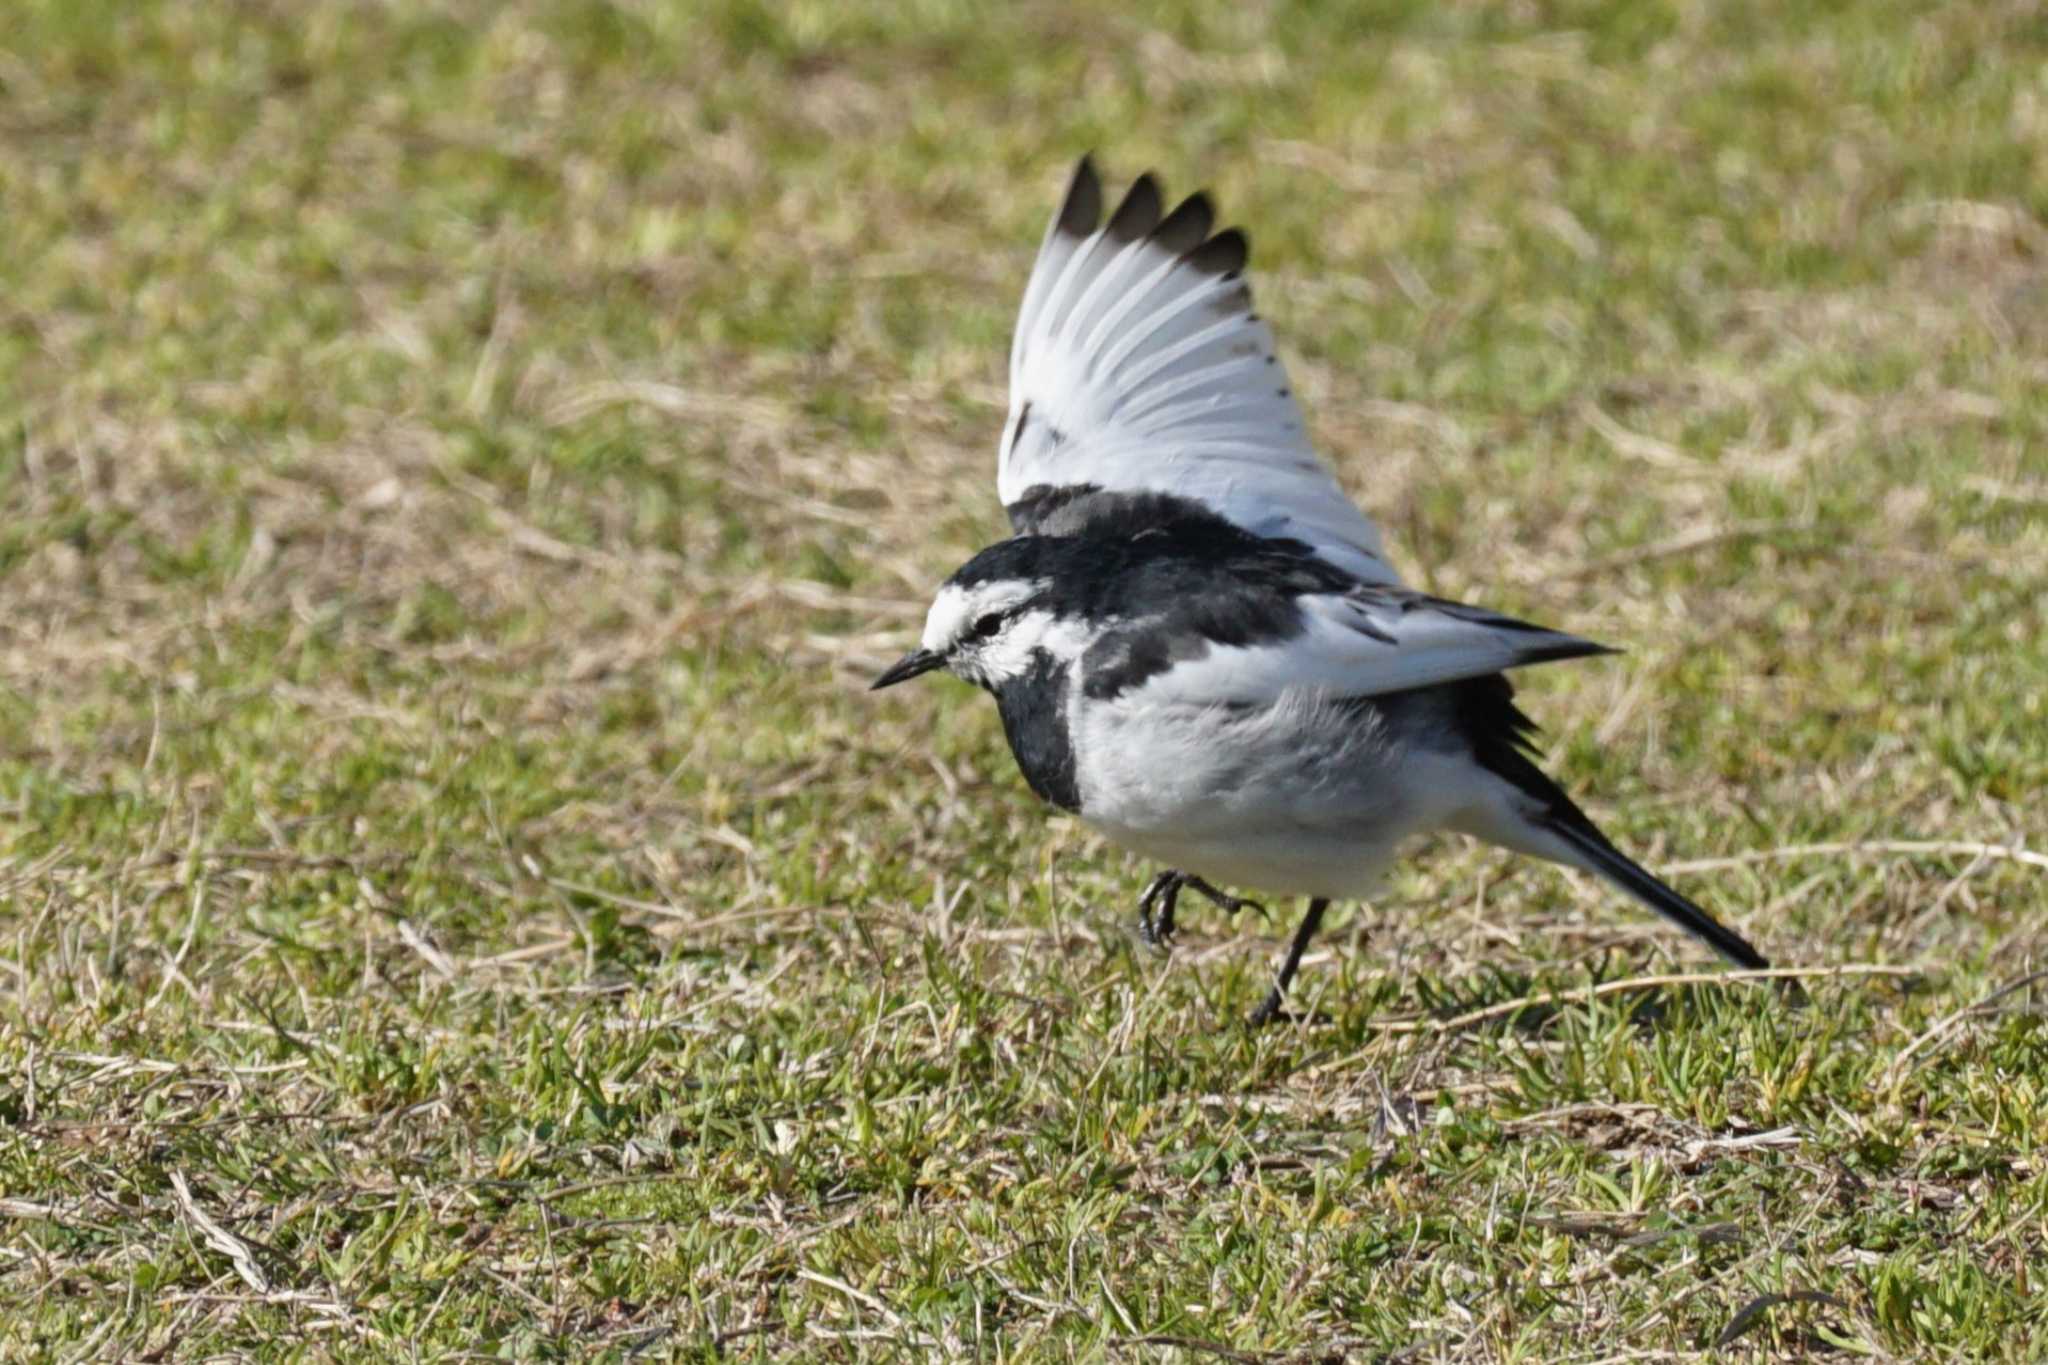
(1139, 368)
(1367, 642)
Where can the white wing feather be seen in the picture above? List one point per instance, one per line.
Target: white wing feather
(1138, 366)
(1362, 644)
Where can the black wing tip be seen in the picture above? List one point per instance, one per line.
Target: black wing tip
(1564, 647)
(1224, 254)
(1141, 216)
(1187, 227)
(1081, 210)
(1138, 215)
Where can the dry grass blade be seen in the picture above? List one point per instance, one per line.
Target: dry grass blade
(1195, 1345)
(240, 1254)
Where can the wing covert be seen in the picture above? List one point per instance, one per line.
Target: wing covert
(1368, 642)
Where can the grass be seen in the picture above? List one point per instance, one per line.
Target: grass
(461, 462)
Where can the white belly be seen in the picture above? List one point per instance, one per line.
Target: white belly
(1299, 798)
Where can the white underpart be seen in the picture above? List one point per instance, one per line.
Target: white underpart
(1300, 797)
(1158, 377)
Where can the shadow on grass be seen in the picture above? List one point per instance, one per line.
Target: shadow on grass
(1494, 997)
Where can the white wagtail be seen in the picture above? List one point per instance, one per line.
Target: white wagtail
(1194, 639)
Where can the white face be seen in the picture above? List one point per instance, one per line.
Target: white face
(981, 632)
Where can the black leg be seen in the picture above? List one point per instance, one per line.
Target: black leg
(1313, 920)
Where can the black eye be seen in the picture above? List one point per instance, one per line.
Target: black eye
(986, 627)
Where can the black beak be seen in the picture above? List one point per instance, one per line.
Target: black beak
(909, 666)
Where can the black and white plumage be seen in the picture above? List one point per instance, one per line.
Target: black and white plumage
(1195, 641)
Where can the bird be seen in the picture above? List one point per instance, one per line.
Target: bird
(1194, 637)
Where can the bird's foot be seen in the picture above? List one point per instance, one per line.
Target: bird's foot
(1222, 900)
(1162, 897)
(1156, 907)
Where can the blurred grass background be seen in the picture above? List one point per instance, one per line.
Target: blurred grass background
(461, 460)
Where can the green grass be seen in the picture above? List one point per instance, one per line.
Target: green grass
(461, 462)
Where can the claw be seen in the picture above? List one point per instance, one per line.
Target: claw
(1163, 891)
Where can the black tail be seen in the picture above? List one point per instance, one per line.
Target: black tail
(1502, 739)
(1617, 867)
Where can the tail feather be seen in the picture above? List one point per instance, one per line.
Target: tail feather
(1533, 815)
(1600, 856)
(1537, 817)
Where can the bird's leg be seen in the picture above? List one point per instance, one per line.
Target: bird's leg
(1164, 890)
(1310, 922)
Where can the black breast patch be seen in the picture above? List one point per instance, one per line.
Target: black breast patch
(1035, 722)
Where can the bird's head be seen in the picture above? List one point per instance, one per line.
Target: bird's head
(991, 619)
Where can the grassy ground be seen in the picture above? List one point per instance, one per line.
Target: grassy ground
(461, 461)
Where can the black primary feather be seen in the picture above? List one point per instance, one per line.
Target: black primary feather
(1138, 215)
(1081, 210)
